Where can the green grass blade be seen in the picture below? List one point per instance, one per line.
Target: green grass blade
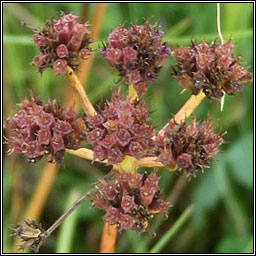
(27, 40)
(179, 28)
(64, 242)
(172, 231)
(18, 40)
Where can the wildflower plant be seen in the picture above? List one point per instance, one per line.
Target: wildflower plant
(121, 132)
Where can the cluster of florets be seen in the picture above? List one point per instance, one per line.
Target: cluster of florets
(62, 42)
(39, 129)
(188, 147)
(30, 233)
(210, 68)
(130, 200)
(121, 129)
(137, 53)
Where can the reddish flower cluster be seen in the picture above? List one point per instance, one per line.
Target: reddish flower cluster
(62, 42)
(120, 129)
(211, 68)
(130, 200)
(137, 53)
(39, 129)
(188, 147)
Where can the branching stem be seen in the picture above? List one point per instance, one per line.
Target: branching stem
(80, 92)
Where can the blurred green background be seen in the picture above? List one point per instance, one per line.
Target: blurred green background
(222, 219)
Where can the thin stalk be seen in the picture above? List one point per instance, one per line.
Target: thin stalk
(80, 92)
(218, 23)
(222, 41)
(149, 162)
(172, 231)
(64, 215)
(41, 193)
(188, 108)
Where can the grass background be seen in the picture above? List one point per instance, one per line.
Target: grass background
(222, 219)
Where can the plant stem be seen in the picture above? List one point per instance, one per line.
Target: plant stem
(42, 191)
(82, 152)
(143, 162)
(187, 109)
(172, 231)
(85, 66)
(108, 239)
(132, 94)
(79, 90)
(64, 216)
(149, 162)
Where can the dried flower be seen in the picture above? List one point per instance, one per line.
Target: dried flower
(188, 147)
(137, 53)
(62, 42)
(121, 129)
(31, 234)
(129, 199)
(39, 129)
(210, 68)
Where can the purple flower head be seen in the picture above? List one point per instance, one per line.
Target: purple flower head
(120, 129)
(211, 68)
(129, 199)
(39, 129)
(137, 53)
(62, 42)
(188, 147)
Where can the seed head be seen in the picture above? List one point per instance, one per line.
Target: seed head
(30, 233)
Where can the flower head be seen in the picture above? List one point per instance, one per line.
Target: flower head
(129, 199)
(188, 147)
(62, 42)
(120, 129)
(211, 68)
(137, 53)
(39, 129)
(30, 233)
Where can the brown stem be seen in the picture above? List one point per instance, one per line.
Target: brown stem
(79, 90)
(42, 191)
(187, 109)
(108, 239)
(64, 216)
(85, 66)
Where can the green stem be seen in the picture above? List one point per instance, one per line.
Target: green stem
(172, 231)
